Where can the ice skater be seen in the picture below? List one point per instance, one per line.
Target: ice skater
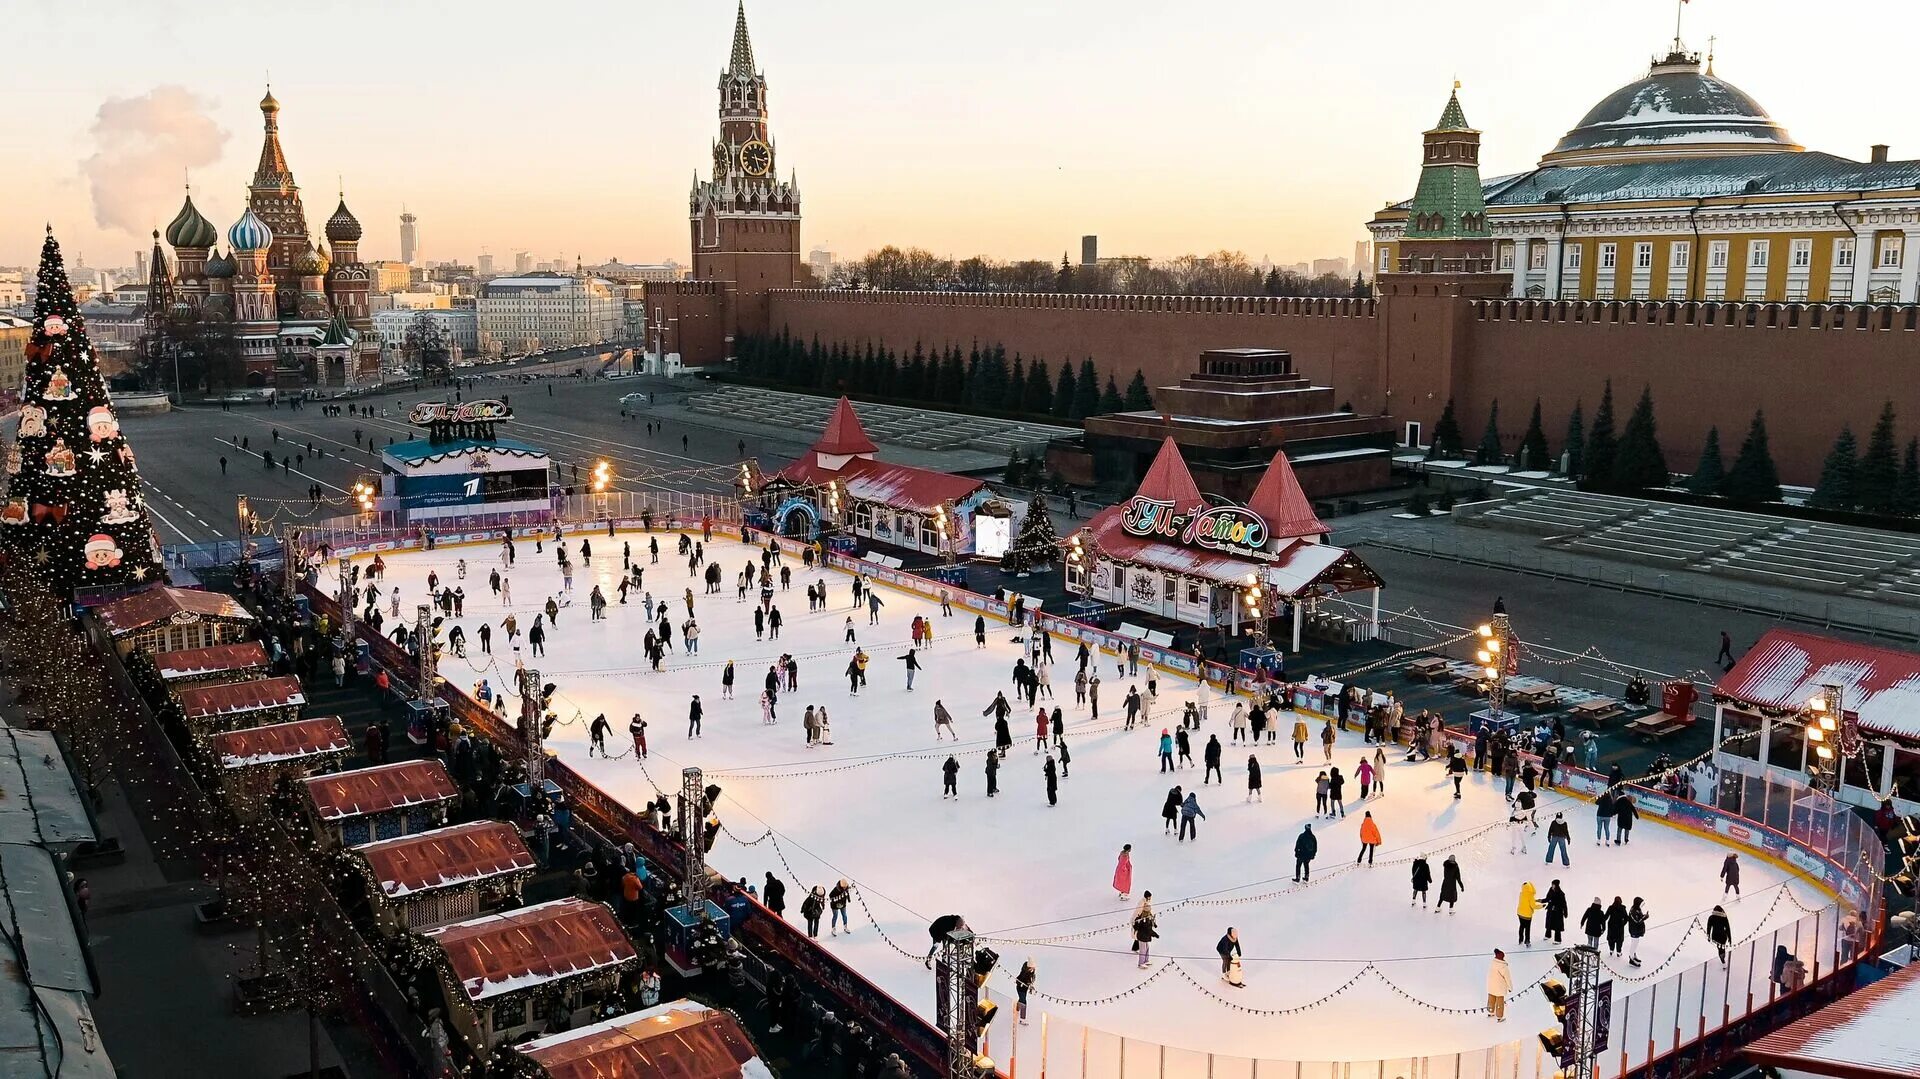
(1636, 929)
(1616, 926)
(1422, 879)
(1229, 951)
(1123, 871)
(1720, 932)
(1730, 875)
(1306, 846)
(1556, 906)
(993, 773)
(1189, 810)
(1593, 922)
(942, 719)
(1451, 885)
(1170, 811)
(1145, 927)
(597, 735)
(1211, 755)
(1253, 779)
(1051, 771)
(950, 783)
(1529, 904)
(1369, 839)
(1558, 835)
(637, 730)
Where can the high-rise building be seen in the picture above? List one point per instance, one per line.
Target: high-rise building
(484, 265)
(1362, 256)
(524, 312)
(522, 261)
(820, 261)
(409, 238)
(1089, 250)
(1335, 266)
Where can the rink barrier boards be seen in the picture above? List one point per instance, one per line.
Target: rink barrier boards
(1712, 1040)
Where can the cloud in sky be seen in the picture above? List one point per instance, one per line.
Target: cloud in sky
(143, 147)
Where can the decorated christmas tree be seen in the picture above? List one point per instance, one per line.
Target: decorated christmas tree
(1037, 543)
(73, 509)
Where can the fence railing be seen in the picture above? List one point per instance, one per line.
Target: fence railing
(1684, 1023)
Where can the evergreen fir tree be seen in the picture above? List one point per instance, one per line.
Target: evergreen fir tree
(1016, 391)
(815, 372)
(1445, 444)
(1063, 281)
(1638, 464)
(1271, 286)
(976, 371)
(1880, 466)
(1753, 479)
(1576, 442)
(1086, 391)
(1063, 392)
(913, 376)
(1906, 497)
(1361, 290)
(1036, 546)
(74, 513)
(1839, 486)
(1139, 398)
(1417, 503)
(1489, 452)
(1110, 399)
(1710, 473)
(952, 379)
(1038, 399)
(1534, 454)
(1603, 446)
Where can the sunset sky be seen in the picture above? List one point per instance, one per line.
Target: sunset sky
(998, 127)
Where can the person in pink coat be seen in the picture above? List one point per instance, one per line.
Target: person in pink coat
(1123, 871)
(1040, 730)
(1365, 775)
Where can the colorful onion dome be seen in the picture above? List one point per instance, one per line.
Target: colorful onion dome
(191, 229)
(220, 265)
(311, 263)
(343, 227)
(250, 233)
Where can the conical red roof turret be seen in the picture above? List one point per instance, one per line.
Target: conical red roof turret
(1281, 502)
(1169, 481)
(844, 437)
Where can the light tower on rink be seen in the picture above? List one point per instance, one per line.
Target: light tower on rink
(423, 641)
(532, 728)
(1498, 656)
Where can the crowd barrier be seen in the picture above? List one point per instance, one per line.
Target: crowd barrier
(1679, 1026)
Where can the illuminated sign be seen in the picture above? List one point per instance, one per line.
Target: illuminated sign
(431, 412)
(1233, 529)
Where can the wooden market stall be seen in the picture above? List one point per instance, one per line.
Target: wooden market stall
(506, 975)
(679, 1040)
(382, 802)
(209, 709)
(165, 619)
(213, 663)
(444, 875)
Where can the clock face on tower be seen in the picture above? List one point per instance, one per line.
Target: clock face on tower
(756, 158)
(721, 160)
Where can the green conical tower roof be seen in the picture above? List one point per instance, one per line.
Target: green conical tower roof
(1453, 118)
(1449, 203)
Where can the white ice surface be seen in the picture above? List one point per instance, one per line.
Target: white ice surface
(868, 808)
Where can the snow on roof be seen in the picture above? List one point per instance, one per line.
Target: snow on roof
(229, 698)
(531, 946)
(278, 742)
(1298, 567)
(1281, 502)
(1866, 1035)
(900, 486)
(423, 451)
(844, 436)
(379, 789)
(681, 1040)
(1168, 480)
(142, 609)
(445, 857)
(215, 659)
(1785, 668)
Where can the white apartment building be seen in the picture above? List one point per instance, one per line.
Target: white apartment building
(525, 312)
(461, 325)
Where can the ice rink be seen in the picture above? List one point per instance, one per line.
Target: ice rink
(1375, 977)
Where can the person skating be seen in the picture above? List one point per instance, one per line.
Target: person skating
(637, 730)
(1170, 810)
(1184, 745)
(1603, 813)
(1306, 847)
(1616, 926)
(1002, 736)
(1253, 777)
(1322, 786)
(1190, 809)
(1166, 751)
(811, 908)
(1636, 929)
(1228, 949)
(1730, 875)
(1300, 733)
(1422, 879)
(1558, 835)
(950, 781)
(1211, 755)
(1336, 793)
(726, 681)
(1059, 723)
(1364, 773)
(1528, 905)
(837, 903)
(1456, 769)
(1451, 885)
(1556, 907)
(938, 929)
(993, 773)
(1145, 927)
(1042, 730)
(1625, 812)
(1237, 723)
(1720, 932)
(1369, 838)
(1123, 871)
(1052, 773)
(597, 735)
(1593, 922)
(1499, 985)
(1520, 822)
(1023, 985)
(979, 631)
(912, 660)
(774, 896)
(943, 719)
(1133, 706)
(1326, 740)
(1066, 757)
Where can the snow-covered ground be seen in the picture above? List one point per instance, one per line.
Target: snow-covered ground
(1035, 880)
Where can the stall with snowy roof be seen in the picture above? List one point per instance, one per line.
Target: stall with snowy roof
(462, 468)
(214, 663)
(443, 875)
(1763, 712)
(1172, 552)
(382, 802)
(682, 1039)
(1866, 1035)
(837, 488)
(552, 964)
(253, 760)
(208, 709)
(164, 619)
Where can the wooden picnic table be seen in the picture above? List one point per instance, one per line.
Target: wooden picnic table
(1657, 724)
(1596, 710)
(1534, 697)
(1428, 668)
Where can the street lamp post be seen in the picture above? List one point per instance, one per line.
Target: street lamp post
(1495, 656)
(1824, 713)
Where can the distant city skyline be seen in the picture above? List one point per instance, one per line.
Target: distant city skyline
(955, 150)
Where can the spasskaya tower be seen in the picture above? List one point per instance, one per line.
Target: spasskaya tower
(745, 219)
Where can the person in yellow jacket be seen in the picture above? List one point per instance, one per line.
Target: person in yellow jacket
(1526, 910)
(1299, 740)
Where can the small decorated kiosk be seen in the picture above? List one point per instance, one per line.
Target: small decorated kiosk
(837, 488)
(462, 468)
(1172, 552)
(505, 975)
(444, 875)
(382, 802)
(165, 619)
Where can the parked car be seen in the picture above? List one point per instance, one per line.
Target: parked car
(634, 399)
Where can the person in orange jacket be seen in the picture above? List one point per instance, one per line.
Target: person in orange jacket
(1369, 839)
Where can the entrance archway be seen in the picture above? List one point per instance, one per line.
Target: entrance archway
(797, 519)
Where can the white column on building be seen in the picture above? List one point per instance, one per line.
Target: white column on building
(1909, 267)
(1864, 256)
(1299, 606)
(1555, 254)
(1373, 623)
(1521, 260)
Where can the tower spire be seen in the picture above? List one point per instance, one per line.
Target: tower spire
(272, 171)
(741, 64)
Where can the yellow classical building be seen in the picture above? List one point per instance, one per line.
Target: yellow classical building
(1680, 187)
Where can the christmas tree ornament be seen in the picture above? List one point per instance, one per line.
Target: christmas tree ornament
(59, 386)
(13, 459)
(55, 326)
(49, 513)
(33, 421)
(126, 456)
(101, 424)
(119, 511)
(14, 512)
(60, 462)
(102, 552)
